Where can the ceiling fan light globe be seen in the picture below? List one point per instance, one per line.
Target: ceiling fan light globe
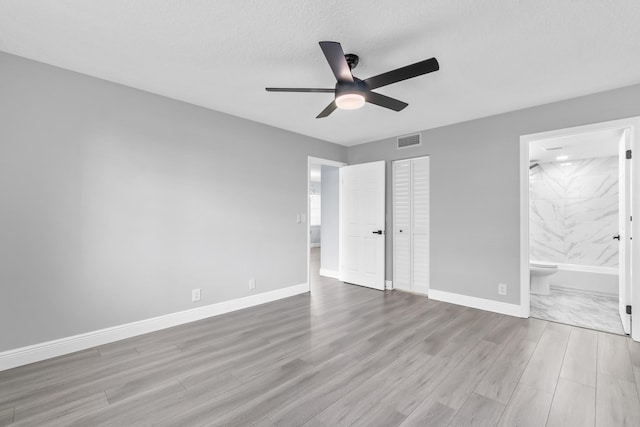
(349, 101)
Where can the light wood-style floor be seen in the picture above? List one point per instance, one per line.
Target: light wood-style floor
(342, 355)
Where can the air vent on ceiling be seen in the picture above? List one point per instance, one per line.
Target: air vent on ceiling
(409, 140)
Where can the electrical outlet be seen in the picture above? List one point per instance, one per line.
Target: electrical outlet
(502, 288)
(195, 295)
(252, 284)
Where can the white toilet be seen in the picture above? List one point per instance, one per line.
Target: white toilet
(540, 277)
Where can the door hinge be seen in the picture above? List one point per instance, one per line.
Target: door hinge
(628, 309)
(628, 154)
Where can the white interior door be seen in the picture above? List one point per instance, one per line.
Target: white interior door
(624, 228)
(362, 224)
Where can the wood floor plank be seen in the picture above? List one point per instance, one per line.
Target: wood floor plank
(531, 329)
(574, 405)
(501, 380)
(146, 408)
(357, 403)
(636, 372)
(634, 352)
(528, 407)
(18, 375)
(67, 383)
(505, 329)
(478, 411)
(463, 318)
(18, 380)
(6, 416)
(314, 423)
(54, 414)
(275, 387)
(482, 323)
(410, 394)
(617, 402)
(381, 415)
(580, 359)
(613, 356)
(110, 350)
(386, 350)
(430, 413)
(544, 367)
(407, 395)
(457, 387)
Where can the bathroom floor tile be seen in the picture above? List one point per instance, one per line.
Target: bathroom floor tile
(578, 309)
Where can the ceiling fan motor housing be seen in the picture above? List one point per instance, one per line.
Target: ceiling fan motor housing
(357, 86)
(351, 95)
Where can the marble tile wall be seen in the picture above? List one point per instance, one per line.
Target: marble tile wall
(573, 212)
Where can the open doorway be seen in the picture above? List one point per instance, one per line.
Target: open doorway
(576, 225)
(323, 214)
(574, 198)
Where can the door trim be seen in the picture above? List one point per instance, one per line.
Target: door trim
(633, 125)
(322, 162)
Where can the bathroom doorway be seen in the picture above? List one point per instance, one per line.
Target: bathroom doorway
(576, 225)
(322, 224)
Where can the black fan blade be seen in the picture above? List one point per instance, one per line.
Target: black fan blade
(330, 108)
(404, 73)
(299, 89)
(335, 56)
(385, 101)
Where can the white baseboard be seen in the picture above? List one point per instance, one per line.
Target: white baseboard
(388, 284)
(314, 245)
(46, 350)
(329, 273)
(480, 303)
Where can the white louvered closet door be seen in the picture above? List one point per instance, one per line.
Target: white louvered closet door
(402, 225)
(411, 225)
(420, 226)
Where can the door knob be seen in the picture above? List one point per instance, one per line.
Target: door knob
(377, 232)
(616, 237)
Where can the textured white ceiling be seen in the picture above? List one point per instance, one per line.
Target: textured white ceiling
(495, 55)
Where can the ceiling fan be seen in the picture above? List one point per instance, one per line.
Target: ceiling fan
(350, 92)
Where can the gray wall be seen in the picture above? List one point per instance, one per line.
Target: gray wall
(115, 203)
(475, 188)
(330, 203)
